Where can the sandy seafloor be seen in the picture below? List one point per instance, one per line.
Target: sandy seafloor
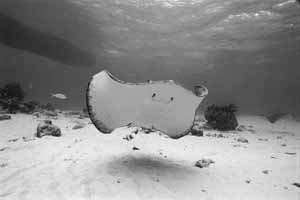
(85, 164)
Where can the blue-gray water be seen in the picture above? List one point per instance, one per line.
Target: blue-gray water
(245, 52)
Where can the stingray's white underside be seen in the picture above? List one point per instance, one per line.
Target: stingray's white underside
(159, 105)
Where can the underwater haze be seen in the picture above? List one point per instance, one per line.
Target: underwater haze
(246, 52)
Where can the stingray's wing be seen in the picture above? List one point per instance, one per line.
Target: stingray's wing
(160, 105)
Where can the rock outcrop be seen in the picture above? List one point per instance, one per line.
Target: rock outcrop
(47, 128)
(204, 163)
(5, 117)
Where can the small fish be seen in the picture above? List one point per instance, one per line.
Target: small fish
(59, 96)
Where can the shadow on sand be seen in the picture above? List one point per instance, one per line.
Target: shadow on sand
(143, 166)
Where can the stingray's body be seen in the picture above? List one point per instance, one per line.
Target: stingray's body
(159, 105)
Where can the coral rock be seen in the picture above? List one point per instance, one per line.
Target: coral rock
(204, 163)
(221, 117)
(47, 128)
(5, 117)
(196, 131)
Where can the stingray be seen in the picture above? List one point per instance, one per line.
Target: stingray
(157, 105)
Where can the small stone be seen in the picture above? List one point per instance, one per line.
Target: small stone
(296, 184)
(248, 181)
(262, 139)
(265, 171)
(283, 145)
(204, 163)
(13, 140)
(135, 148)
(3, 149)
(242, 140)
(147, 130)
(128, 137)
(211, 135)
(273, 157)
(290, 153)
(3, 165)
(5, 117)
(25, 139)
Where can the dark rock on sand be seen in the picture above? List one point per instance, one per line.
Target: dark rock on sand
(242, 140)
(204, 163)
(196, 131)
(135, 131)
(13, 140)
(221, 117)
(265, 171)
(147, 130)
(5, 117)
(128, 137)
(135, 148)
(47, 128)
(290, 153)
(296, 184)
(3, 149)
(3, 165)
(25, 139)
(217, 135)
(263, 139)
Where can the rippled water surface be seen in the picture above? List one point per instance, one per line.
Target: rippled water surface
(246, 52)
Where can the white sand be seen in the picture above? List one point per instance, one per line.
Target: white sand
(85, 164)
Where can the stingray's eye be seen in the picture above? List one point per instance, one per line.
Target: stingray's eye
(153, 95)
